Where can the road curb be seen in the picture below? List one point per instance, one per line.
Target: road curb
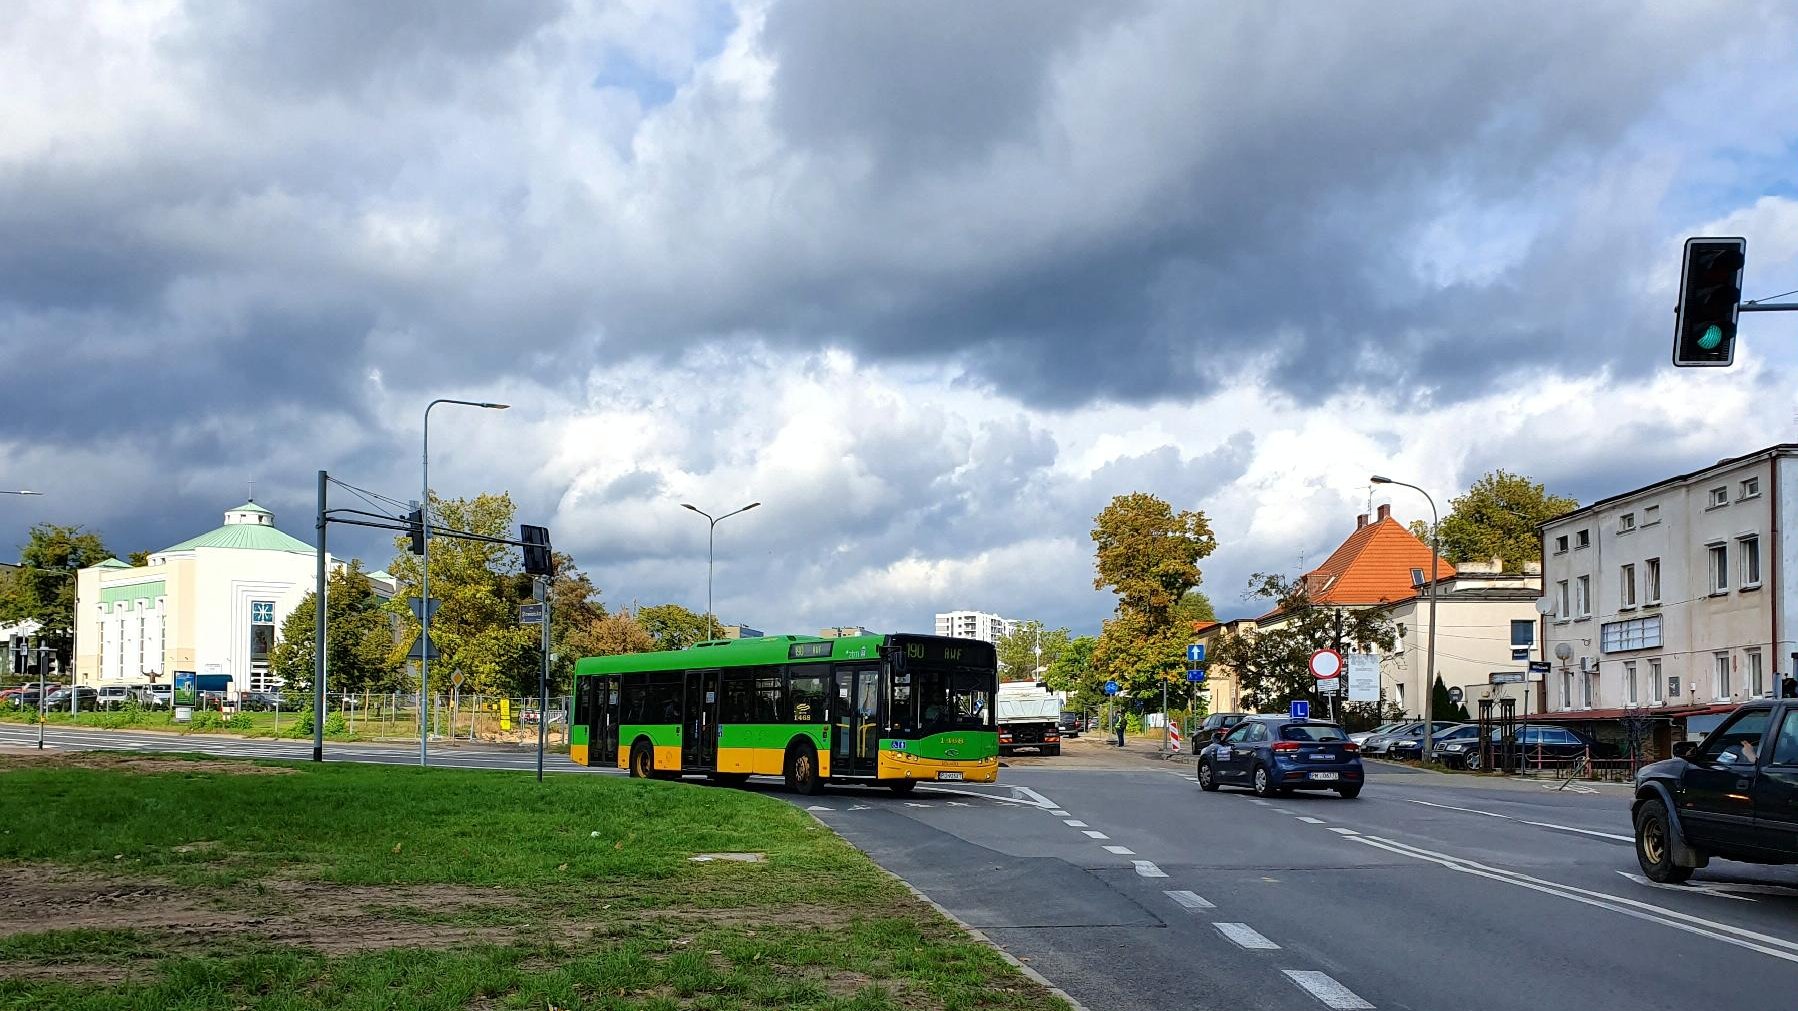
(967, 928)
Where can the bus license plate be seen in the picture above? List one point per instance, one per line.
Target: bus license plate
(1323, 775)
(948, 775)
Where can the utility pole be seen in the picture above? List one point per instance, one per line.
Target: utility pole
(540, 590)
(319, 600)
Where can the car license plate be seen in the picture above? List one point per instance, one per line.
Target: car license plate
(1323, 775)
(948, 775)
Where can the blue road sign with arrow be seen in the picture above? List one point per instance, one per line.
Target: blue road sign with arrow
(1111, 687)
(1195, 653)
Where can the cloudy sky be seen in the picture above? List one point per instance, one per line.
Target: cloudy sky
(931, 281)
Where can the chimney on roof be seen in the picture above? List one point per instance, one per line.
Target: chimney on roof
(1385, 512)
(1360, 521)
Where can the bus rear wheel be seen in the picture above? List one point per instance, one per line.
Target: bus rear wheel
(903, 786)
(802, 770)
(643, 761)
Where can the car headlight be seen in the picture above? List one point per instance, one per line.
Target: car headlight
(1454, 747)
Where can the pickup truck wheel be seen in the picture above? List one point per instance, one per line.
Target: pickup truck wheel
(1207, 778)
(1654, 845)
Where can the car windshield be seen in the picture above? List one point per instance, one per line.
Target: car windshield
(1312, 732)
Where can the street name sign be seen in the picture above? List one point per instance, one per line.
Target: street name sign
(1363, 677)
(1507, 677)
(530, 614)
(1300, 709)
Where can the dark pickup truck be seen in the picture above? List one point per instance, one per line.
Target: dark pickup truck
(1734, 796)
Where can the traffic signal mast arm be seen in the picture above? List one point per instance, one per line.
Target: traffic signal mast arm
(380, 522)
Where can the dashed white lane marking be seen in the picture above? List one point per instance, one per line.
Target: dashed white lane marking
(1148, 870)
(1281, 810)
(1190, 900)
(1344, 831)
(1074, 823)
(1059, 814)
(1123, 851)
(1311, 821)
(1326, 989)
(913, 803)
(1258, 802)
(1191, 779)
(1090, 834)
(1246, 936)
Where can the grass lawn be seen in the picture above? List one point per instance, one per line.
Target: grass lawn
(151, 882)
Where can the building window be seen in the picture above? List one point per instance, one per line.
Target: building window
(1720, 663)
(1750, 550)
(1626, 523)
(262, 643)
(1719, 555)
(1751, 488)
(1651, 515)
(1582, 596)
(1588, 687)
(1561, 545)
(1561, 611)
(1719, 497)
(1655, 685)
(142, 627)
(1757, 675)
(1566, 689)
(1629, 683)
(1636, 633)
(1582, 538)
(1627, 586)
(1523, 632)
(1651, 581)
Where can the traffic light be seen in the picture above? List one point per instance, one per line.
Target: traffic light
(536, 550)
(19, 647)
(415, 530)
(1710, 292)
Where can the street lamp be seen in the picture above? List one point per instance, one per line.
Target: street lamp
(710, 618)
(424, 582)
(1429, 683)
(20, 492)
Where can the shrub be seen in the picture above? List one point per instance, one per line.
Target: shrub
(335, 727)
(240, 722)
(206, 719)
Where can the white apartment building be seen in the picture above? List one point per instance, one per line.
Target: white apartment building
(1675, 598)
(1487, 624)
(974, 625)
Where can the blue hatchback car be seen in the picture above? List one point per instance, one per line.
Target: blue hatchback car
(1276, 755)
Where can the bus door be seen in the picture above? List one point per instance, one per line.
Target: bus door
(699, 734)
(602, 732)
(855, 747)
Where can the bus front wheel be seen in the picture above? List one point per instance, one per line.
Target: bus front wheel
(802, 770)
(643, 761)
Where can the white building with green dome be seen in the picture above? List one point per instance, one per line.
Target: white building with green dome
(211, 604)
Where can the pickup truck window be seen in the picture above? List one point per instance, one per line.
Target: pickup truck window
(1785, 746)
(1737, 742)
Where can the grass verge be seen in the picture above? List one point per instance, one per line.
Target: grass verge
(156, 882)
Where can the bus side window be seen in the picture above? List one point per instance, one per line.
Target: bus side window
(768, 696)
(630, 699)
(583, 701)
(805, 694)
(739, 695)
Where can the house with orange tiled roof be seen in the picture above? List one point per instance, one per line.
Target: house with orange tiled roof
(1485, 615)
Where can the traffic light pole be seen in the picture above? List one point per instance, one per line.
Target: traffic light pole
(321, 598)
(541, 586)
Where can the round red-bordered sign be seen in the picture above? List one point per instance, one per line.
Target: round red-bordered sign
(1326, 664)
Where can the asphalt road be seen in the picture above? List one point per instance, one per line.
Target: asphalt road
(1128, 887)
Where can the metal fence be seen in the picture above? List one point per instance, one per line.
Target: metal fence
(455, 716)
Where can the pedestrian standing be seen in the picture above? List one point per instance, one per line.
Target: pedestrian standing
(1120, 730)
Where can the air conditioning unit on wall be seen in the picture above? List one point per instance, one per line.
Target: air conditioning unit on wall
(1588, 664)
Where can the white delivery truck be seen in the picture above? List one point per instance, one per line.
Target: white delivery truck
(1029, 716)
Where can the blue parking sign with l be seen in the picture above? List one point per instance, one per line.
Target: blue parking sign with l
(1301, 710)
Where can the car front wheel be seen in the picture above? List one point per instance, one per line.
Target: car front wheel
(1654, 845)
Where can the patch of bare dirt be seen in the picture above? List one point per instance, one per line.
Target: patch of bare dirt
(73, 972)
(144, 764)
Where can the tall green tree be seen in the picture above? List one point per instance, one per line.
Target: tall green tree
(1018, 659)
(1193, 608)
(1148, 555)
(1442, 707)
(618, 633)
(1272, 662)
(359, 638)
(42, 589)
(1498, 518)
(673, 626)
(1073, 672)
(476, 627)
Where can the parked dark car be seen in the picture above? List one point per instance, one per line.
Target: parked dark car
(1735, 796)
(1380, 744)
(1532, 742)
(85, 698)
(1072, 724)
(1410, 747)
(1276, 755)
(1217, 725)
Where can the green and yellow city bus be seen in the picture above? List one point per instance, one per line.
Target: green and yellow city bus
(875, 709)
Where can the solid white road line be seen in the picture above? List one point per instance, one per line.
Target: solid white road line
(1041, 801)
(1725, 932)
(1582, 831)
(1311, 821)
(1123, 851)
(1688, 887)
(1090, 834)
(1148, 870)
(1466, 810)
(1246, 936)
(1326, 989)
(1074, 823)
(1190, 900)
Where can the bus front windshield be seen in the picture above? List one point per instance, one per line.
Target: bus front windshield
(952, 700)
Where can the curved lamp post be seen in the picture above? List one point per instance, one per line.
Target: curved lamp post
(1429, 685)
(711, 621)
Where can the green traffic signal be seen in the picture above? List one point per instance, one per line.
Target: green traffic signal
(1713, 336)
